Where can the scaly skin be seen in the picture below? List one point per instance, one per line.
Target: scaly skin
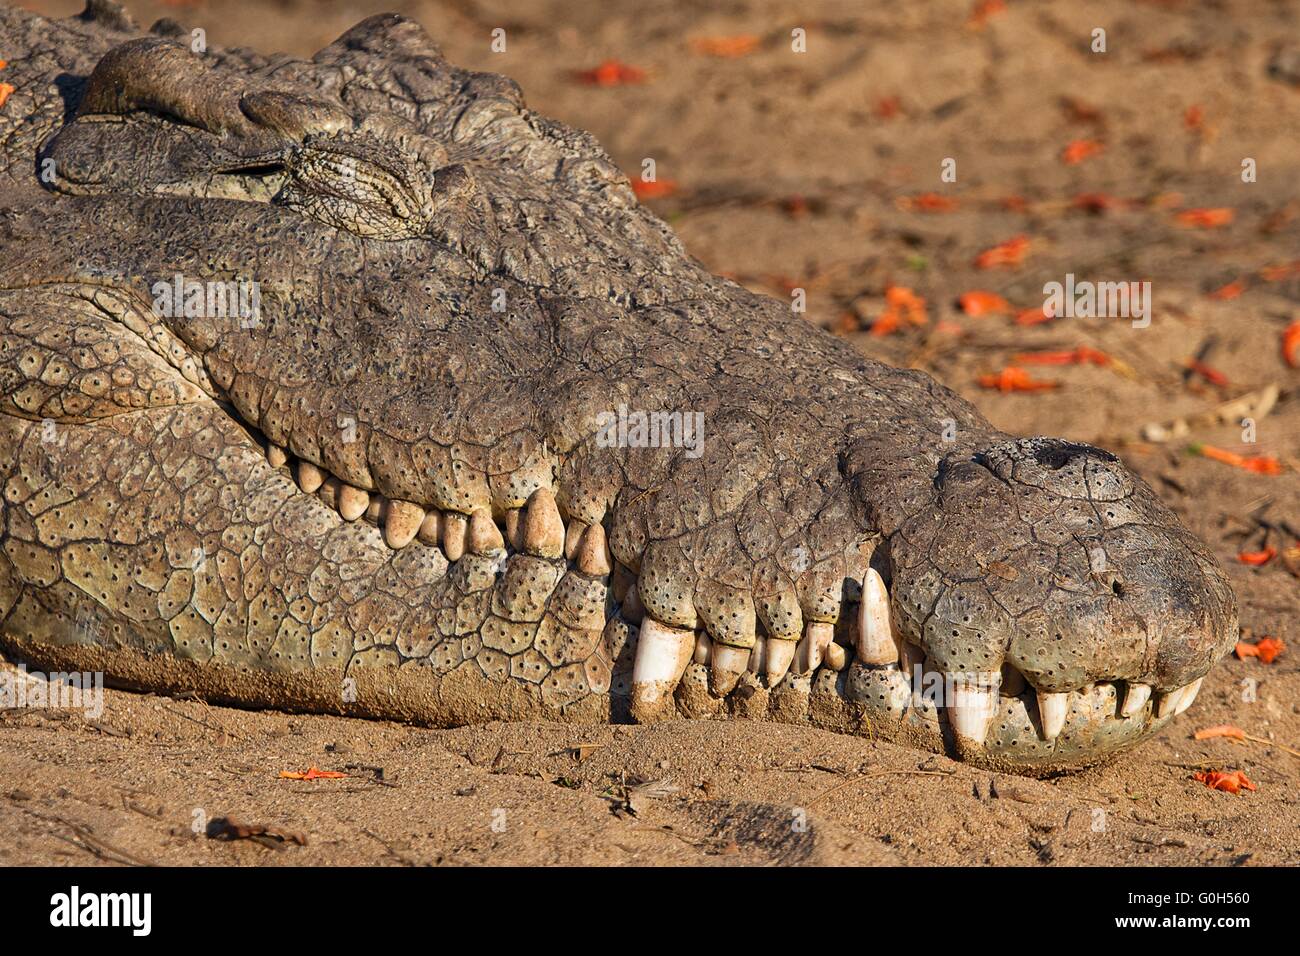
(453, 291)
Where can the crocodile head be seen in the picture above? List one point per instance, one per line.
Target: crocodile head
(489, 444)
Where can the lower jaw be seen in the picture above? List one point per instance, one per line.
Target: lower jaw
(862, 701)
(1095, 727)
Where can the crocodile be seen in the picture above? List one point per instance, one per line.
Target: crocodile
(351, 385)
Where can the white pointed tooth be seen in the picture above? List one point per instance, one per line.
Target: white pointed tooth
(431, 528)
(703, 648)
(1189, 695)
(662, 653)
(402, 520)
(1013, 682)
(484, 537)
(780, 655)
(1135, 698)
(758, 655)
(276, 455)
(455, 534)
(593, 556)
(353, 502)
(1052, 709)
(543, 528)
(726, 667)
(1167, 703)
(836, 656)
(310, 478)
(875, 637)
(974, 703)
(812, 646)
(572, 535)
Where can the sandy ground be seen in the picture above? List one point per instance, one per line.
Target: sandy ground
(801, 171)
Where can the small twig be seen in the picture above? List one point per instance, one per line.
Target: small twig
(203, 723)
(670, 832)
(879, 773)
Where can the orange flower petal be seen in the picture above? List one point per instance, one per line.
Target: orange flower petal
(1222, 730)
(887, 107)
(1291, 344)
(1266, 650)
(311, 774)
(1256, 558)
(727, 47)
(611, 73)
(1207, 372)
(1009, 253)
(1078, 150)
(1034, 316)
(1083, 355)
(1226, 292)
(930, 202)
(1012, 379)
(1229, 781)
(978, 302)
(654, 189)
(1206, 218)
(983, 10)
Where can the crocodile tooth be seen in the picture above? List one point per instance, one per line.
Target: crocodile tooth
(1167, 703)
(836, 656)
(1189, 695)
(328, 492)
(402, 520)
(484, 535)
(812, 646)
(276, 455)
(431, 528)
(780, 655)
(703, 648)
(543, 528)
(758, 655)
(455, 532)
(875, 638)
(662, 653)
(633, 609)
(310, 478)
(1135, 698)
(1013, 682)
(514, 521)
(726, 667)
(593, 552)
(1052, 709)
(377, 507)
(573, 535)
(974, 702)
(353, 502)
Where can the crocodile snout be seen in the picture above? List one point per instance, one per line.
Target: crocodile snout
(1044, 573)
